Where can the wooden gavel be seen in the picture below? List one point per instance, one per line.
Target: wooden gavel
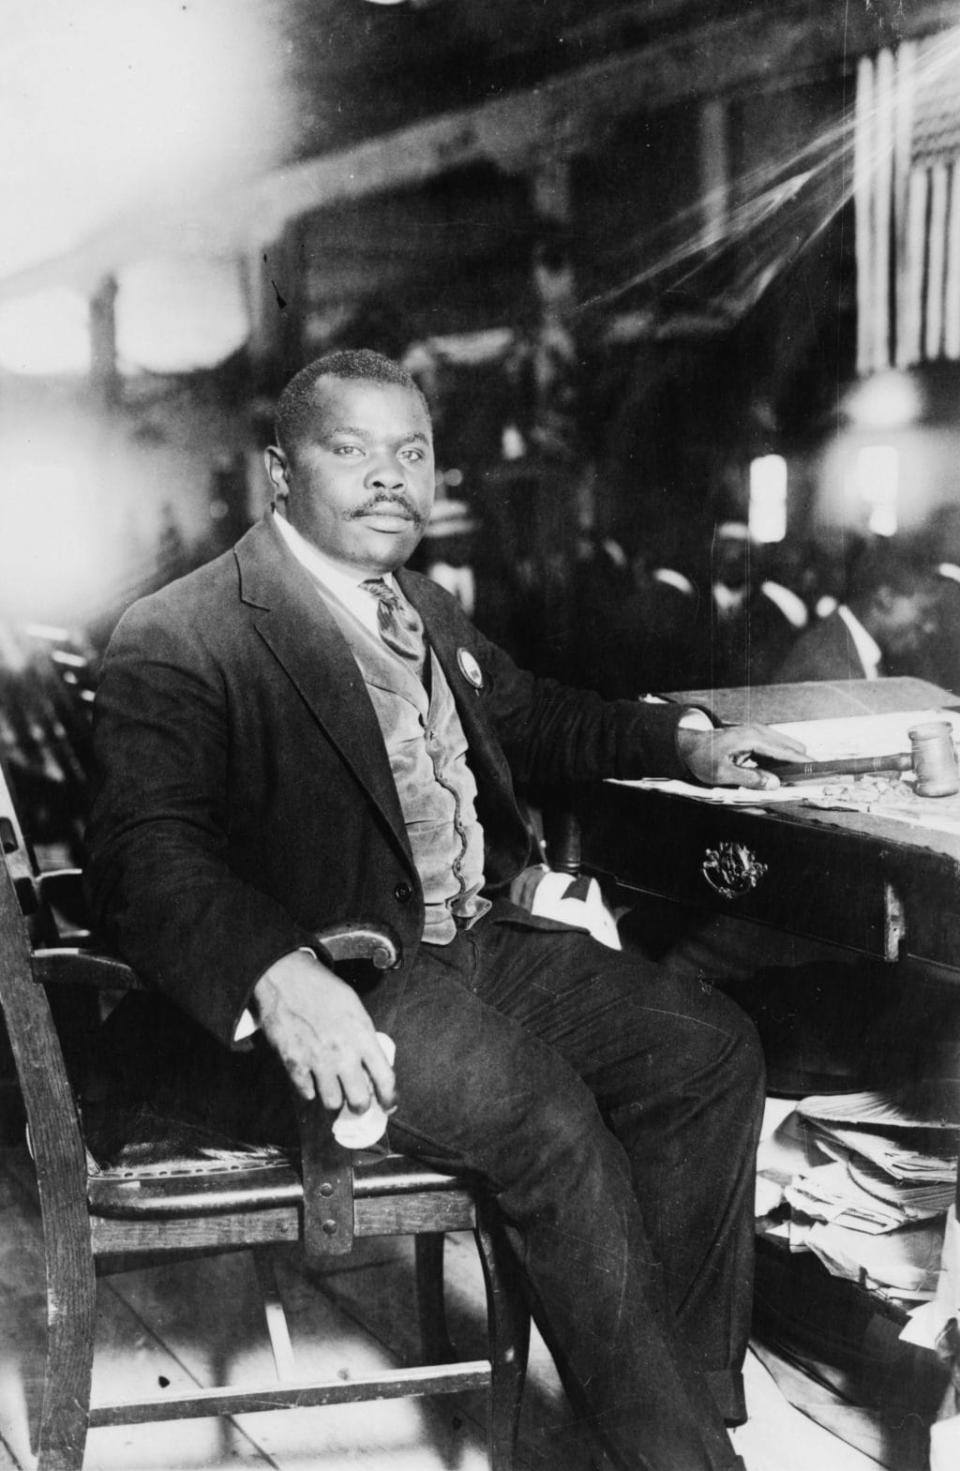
(931, 757)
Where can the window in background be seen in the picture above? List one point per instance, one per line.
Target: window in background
(768, 498)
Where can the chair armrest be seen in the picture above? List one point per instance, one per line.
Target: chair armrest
(67, 965)
(358, 940)
(327, 1168)
(349, 941)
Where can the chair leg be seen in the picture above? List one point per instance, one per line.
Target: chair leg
(71, 1322)
(508, 1326)
(431, 1305)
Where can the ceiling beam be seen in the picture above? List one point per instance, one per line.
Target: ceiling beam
(570, 113)
(566, 115)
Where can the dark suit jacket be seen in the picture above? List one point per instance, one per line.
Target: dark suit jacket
(245, 796)
(825, 651)
(938, 659)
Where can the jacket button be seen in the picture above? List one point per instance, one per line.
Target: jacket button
(403, 893)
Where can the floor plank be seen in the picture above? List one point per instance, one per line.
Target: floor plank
(183, 1324)
(233, 1346)
(130, 1359)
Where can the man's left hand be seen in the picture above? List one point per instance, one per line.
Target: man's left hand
(733, 756)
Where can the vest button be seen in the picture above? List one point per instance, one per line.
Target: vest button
(403, 893)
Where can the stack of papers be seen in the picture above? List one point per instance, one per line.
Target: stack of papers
(864, 1180)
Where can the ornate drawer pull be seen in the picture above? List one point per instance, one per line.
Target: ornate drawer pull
(732, 870)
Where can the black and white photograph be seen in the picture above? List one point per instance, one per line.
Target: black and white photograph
(480, 735)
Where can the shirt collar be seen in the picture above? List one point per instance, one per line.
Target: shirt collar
(793, 608)
(866, 646)
(343, 585)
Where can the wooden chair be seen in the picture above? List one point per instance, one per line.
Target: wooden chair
(46, 688)
(98, 1219)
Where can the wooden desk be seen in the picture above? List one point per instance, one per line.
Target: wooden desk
(876, 885)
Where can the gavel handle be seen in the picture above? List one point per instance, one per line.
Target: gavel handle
(789, 771)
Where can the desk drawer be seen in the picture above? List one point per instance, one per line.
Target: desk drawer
(821, 883)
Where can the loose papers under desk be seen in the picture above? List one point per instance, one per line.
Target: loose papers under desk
(863, 1180)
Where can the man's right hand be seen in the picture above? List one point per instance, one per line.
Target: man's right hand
(323, 1034)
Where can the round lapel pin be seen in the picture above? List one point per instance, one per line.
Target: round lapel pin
(469, 668)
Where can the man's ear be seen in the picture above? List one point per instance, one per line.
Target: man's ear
(278, 469)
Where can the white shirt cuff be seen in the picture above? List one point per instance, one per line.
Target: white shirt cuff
(246, 1026)
(694, 719)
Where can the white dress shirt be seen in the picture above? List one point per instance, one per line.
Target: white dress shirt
(346, 587)
(866, 645)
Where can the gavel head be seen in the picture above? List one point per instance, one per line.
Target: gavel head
(934, 759)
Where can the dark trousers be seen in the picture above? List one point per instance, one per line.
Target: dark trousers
(613, 1109)
(612, 1106)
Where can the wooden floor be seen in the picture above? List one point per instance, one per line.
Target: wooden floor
(151, 1337)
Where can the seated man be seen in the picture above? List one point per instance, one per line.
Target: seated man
(294, 735)
(882, 627)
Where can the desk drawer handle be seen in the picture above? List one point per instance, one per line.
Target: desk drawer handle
(732, 870)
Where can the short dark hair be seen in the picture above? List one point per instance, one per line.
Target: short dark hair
(297, 403)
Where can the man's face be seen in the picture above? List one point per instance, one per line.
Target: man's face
(359, 483)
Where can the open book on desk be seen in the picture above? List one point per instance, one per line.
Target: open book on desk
(836, 720)
(845, 741)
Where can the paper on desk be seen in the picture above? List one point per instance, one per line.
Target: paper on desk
(725, 796)
(862, 735)
(824, 740)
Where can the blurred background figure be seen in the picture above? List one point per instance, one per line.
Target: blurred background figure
(883, 627)
(732, 575)
(451, 550)
(759, 634)
(459, 554)
(599, 638)
(940, 657)
(633, 626)
(663, 613)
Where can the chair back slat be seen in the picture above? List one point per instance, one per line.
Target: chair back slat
(55, 1136)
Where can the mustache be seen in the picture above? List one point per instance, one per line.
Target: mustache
(378, 502)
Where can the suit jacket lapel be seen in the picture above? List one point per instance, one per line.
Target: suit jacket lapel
(302, 635)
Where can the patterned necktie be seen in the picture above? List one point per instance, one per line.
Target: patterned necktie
(399, 624)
